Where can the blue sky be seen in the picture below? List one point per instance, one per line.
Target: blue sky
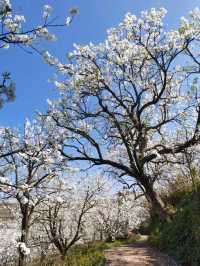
(96, 16)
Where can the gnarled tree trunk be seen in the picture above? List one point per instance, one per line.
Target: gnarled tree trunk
(157, 204)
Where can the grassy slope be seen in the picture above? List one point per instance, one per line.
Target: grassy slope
(180, 237)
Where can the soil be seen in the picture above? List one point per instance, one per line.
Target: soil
(138, 254)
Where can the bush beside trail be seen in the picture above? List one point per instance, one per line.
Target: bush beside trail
(180, 237)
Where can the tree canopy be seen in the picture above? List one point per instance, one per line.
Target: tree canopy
(131, 103)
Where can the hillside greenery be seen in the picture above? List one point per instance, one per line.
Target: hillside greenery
(180, 236)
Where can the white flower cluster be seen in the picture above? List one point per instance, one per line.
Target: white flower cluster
(152, 20)
(47, 9)
(12, 31)
(23, 188)
(4, 6)
(73, 11)
(49, 59)
(3, 180)
(45, 34)
(129, 21)
(59, 199)
(23, 248)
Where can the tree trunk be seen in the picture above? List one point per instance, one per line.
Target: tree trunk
(63, 255)
(101, 235)
(24, 235)
(22, 259)
(157, 204)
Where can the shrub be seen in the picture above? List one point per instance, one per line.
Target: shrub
(181, 236)
(82, 255)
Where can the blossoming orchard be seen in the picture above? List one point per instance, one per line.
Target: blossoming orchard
(121, 137)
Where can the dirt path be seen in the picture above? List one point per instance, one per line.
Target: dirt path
(138, 254)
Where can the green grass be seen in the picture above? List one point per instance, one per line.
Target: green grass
(84, 255)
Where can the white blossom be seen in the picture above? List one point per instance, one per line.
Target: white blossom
(23, 248)
(47, 9)
(68, 21)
